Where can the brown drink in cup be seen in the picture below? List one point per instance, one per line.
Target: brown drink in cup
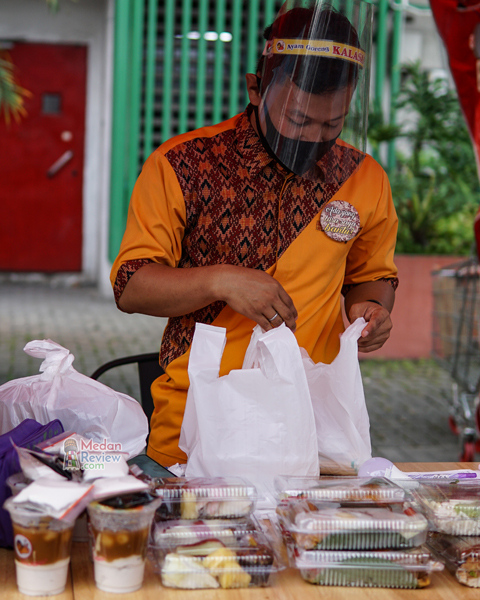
(119, 543)
(42, 551)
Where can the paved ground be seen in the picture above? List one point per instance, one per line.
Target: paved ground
(408, 401)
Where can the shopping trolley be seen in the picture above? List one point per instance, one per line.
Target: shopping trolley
(456, 347)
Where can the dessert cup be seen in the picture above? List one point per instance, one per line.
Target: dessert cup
(42, 551)
(119, 544)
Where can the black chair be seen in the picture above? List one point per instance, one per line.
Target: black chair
(148, 370)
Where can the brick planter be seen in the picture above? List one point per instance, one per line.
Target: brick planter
(411, 335)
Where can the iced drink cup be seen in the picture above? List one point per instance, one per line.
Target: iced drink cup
(42, 551)
(119, 542)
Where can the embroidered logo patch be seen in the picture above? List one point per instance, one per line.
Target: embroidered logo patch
(340, 221)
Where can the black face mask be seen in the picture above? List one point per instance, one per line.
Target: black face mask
(297, 156)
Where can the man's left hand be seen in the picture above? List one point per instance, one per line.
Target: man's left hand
(379, 324)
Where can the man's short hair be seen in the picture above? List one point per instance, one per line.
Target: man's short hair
(324, 74)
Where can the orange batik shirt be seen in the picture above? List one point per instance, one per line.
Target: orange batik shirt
(216, 196)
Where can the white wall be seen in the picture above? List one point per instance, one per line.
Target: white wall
(88, 22)
(421, 41)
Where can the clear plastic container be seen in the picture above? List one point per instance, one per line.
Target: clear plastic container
(329, 526)
(461, 555)
(385, 569)
(119, 541)
(450, 507)
(42, 550)
(358, 490)
(205, 498)
(186, 532)
(17, 483)
(231, 555)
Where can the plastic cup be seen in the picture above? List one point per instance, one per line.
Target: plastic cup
(17, 483)
(42, 551)
(119, 544)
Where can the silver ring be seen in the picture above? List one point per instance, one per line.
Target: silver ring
(273, 318)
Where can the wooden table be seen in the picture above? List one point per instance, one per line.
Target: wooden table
(287, 586)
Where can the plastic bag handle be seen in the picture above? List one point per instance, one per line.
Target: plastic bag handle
(354, 331)
(274, 351)
(57, 359)
(45, 348)
(251, 355)
(278, 354)
(207, 349)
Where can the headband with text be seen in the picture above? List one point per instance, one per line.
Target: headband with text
(315, 48)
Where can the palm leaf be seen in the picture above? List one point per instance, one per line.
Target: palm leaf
(12, 95)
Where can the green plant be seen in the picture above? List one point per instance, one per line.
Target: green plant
(379, 131)
(435, 213)
(12, 95)
(435, 184)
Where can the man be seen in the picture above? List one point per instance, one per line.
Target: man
(266, 218)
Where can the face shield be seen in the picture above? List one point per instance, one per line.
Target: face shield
(314, 84)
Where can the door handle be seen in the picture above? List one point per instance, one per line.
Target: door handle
(58, 164)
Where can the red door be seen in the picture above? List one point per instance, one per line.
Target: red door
(41, 162)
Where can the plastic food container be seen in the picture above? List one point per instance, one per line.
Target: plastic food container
(358, 490)
(229, 556)
(186, 532)
(330, 526)
(387, 568)
(461, 555)
(202, 498)
(450, 507)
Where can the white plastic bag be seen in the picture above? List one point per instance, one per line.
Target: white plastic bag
(255, 422)
(341, 417)
(82, 404)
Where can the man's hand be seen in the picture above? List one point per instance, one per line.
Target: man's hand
(358, 303)
(258, 296)
(164, 291)
(379, 324)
